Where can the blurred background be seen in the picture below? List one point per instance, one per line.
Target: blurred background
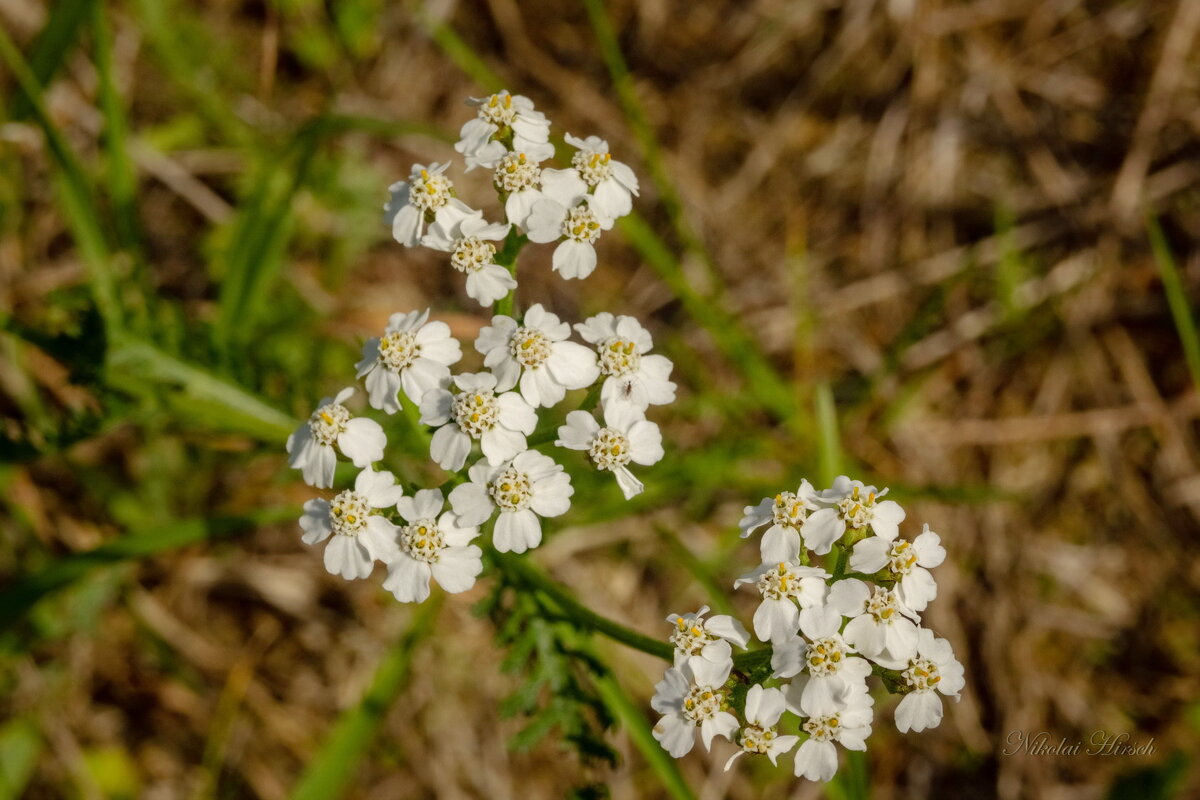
(947, 247)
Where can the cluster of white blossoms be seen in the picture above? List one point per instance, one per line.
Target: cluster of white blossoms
(528, 365)
(828, 627)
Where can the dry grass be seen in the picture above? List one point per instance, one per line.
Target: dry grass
(935, 206)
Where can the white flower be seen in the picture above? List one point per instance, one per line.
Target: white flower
(908, 562)
(854, 505)
(413, 355)
(500, 422)
(832, 667)
(782, 586)
(787, 513)
(691, 696)
(499, 115)
(626, 436)
(881, 627)
(632, 376)
(611, 182)
(536, 352)
(310, 447)
(763, 709)
(432, 544)
(359, 537)
(522, 182)
(426, 196)
(565, 211)
(469, 241)
(934, 669)
(528, 487)
(706, 638)
(848, 723)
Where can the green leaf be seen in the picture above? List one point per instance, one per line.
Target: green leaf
(78, 200)
(136, 366)
(51, 48)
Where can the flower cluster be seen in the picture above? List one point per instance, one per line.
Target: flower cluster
(528, 365)
(828, 627)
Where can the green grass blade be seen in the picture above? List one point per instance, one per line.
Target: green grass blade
(829, 448)
(259, 240)
(329, 774)
(51, 47)
(632, 717)
(16, 600)
(122, 178)
(1185, 323)
(137, 366)
(78, 201)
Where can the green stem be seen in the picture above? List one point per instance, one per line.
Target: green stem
(842, 556)
(521, 571)
(507, 258)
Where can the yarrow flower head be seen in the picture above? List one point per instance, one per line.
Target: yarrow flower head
(613, 185)
(522, 182)
(535, 352)
(881, 627)
(632, 374)
(846, 721)
(786, 512)
(933, 670)
(311, 448)
(360, 535)
(760, 736)
(627, 437)
(501, 118)
(693, 635)
(786, 588)
(908, 563)
(476, 412)
(434, 545)
(413, 354)
(469, 240)
(530, 486)
(565, 214)
(693, 696)
(427, 196)
(852, 505)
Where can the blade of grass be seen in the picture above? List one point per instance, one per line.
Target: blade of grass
(122, 179)
(78, 201)
(135, 365)
(16, 600)
(631, 716)
(1181, 311)
(328, 775)
(51, 47)
(829, 448)
(259, 239)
